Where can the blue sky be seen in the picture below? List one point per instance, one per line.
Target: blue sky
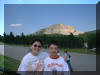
(22, 18)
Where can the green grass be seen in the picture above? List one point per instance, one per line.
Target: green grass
(1, 62)
(8, 63)
(1, 43)
(82, 51)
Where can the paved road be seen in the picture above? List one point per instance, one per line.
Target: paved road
(80, 62)
(1, 49)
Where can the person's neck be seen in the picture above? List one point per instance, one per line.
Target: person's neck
(34, 54)
(54, 56)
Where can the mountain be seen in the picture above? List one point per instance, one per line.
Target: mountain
(59, 29)
(93, 31)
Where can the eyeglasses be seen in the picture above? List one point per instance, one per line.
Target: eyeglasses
(39, 46)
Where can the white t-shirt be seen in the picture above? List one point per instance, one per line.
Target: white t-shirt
(32, 63)
(55, 64)
(67, 56)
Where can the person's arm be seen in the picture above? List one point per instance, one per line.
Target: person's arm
(66, 69)
(64, 57)
(69, 55)
(44, 67)
(23, 68)
(65, 66)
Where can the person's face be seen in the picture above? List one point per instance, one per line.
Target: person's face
(53, 49)
(36, 47)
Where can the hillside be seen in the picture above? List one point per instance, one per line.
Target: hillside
(59, 29)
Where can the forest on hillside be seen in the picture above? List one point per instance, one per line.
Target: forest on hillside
(64, 41)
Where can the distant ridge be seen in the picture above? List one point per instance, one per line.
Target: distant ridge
(93, 31)
(59, 29)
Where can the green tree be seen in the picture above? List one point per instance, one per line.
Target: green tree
(11, 37)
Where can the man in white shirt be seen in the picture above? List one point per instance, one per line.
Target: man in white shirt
(54, 62)
(33, 61)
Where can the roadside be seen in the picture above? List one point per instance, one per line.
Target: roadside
(75, 50)
(80, 62)
(2, 49)
(8, 64)
(1, 43)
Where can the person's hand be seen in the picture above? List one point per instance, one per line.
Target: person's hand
(30, 68)
(64, 57)
(39, 66)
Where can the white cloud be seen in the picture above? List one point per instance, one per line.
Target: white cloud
(15, 25)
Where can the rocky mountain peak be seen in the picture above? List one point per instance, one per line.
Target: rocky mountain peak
(59, 29)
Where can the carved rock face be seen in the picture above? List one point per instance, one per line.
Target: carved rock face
(60, 29)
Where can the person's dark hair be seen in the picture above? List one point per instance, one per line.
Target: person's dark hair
(65, 51)
(36, 40)
(57, 51)
(54, 43)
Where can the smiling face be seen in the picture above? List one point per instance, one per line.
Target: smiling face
(36, 47)
(53, 49)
